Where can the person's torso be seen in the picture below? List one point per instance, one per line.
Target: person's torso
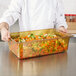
(37, 14)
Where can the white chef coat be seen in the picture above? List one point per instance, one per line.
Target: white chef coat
(35, 14)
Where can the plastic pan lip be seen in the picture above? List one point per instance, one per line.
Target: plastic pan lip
(54, 30)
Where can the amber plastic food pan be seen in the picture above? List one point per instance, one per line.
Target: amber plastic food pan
(37, 43)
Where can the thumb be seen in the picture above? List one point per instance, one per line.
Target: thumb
(8, 34)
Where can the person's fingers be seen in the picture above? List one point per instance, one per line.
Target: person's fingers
(63, 30)
(5, 35)
(66, 30)
(4, 38)
(8, 34)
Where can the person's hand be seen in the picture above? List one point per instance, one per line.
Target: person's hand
(5, 35)
(62, 29)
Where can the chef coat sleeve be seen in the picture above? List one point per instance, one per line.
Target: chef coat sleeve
(13, 13)
(60, 18)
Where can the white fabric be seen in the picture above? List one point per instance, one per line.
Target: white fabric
(35, 14)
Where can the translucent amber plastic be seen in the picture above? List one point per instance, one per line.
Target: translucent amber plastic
(38, 43)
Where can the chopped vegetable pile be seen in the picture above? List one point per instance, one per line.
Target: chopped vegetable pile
(32, 37)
